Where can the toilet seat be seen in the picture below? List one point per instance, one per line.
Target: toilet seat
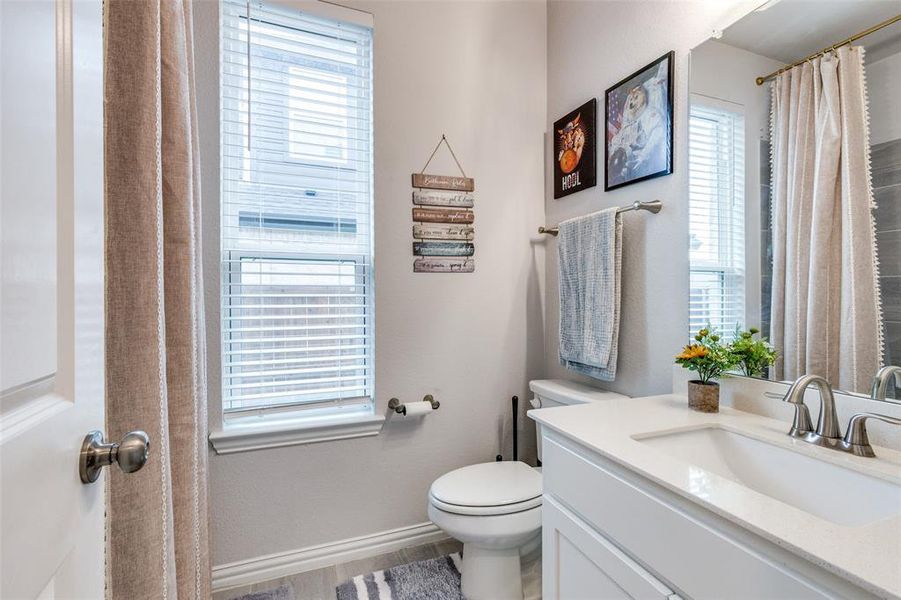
(485, 511)
(486, 489)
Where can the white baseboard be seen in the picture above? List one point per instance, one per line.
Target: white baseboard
(282, 564)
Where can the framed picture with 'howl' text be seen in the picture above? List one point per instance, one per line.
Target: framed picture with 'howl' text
(575, 150)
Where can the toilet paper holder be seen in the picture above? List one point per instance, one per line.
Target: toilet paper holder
(401, 409)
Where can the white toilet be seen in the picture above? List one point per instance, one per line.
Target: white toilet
(494, 508)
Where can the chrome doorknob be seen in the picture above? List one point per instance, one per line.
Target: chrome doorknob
(130, 454)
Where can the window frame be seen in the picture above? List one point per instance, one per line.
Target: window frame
(321, 420)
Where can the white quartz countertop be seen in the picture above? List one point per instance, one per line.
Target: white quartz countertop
(869, 555)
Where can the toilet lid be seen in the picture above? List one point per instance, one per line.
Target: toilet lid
(488, 484)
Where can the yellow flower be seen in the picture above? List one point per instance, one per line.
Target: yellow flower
(693, 351)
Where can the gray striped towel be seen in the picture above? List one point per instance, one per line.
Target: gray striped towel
(589, 258)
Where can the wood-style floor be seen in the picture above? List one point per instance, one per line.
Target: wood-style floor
(321, 583)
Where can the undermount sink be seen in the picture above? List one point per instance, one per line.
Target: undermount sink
(826, 490)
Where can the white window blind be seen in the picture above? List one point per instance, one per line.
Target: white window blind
(296, 228)
(716, 219)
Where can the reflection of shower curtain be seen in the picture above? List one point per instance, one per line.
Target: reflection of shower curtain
(826, 313)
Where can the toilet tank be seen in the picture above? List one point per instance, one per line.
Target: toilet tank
(560, 392)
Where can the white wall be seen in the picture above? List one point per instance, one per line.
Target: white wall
(477, 72)
(884, 89)
(591, 46)
(726, 73)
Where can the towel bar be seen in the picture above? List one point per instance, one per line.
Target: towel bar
(654, 206)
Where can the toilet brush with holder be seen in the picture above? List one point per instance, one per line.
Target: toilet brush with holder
(515, 402)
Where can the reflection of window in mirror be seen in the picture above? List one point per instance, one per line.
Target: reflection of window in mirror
(716, 216)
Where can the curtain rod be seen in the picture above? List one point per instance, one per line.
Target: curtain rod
(844, 42)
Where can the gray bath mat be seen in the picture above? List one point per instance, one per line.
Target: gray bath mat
(285, 592)
(433, 579)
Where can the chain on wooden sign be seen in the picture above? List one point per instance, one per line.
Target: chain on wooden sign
(443, 235)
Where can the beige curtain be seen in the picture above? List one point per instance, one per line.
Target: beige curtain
(155, 380)
(826, 316)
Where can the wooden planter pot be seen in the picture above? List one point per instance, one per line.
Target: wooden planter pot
(704, 397)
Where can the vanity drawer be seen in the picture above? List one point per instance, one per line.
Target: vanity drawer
(675, 540)
(579, 563)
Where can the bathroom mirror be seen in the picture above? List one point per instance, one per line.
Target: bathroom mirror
(783, 236)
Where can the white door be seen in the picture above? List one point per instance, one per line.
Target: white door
(51, 302)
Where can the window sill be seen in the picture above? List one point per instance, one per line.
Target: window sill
(261, 434)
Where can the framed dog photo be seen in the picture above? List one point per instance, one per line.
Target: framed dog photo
(639, 130)
(575, 150)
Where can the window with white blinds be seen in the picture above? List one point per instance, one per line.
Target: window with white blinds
(716, 218)
(296, 228)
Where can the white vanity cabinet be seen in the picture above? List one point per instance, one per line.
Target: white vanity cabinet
(609, 533)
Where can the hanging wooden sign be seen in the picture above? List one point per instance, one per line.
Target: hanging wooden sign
(443, 182)
(443, 199)
(443, 249)
(443, 236)
(437, 215)
(432, 231)
(444, 265)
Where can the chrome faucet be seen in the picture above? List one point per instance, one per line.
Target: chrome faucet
(884, 377)
(828, 432)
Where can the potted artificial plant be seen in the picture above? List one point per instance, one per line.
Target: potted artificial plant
(752, 356)
(710, 360)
